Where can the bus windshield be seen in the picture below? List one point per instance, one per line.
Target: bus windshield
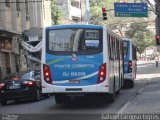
(74, 40)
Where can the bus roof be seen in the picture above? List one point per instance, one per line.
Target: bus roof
(127, 39)
(75, 26)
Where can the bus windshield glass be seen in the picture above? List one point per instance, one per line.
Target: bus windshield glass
(74, 40)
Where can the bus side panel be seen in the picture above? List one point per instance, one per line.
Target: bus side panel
(127, 58)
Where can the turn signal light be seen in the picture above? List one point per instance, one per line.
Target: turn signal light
(101, 73)
(47, 74)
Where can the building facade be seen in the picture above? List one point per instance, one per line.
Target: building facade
(15, 17)
(74, 10)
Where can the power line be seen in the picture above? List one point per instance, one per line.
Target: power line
(22, 2)
(150, 5)
(22, 10)
(25, 1)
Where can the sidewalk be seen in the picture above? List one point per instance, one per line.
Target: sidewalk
(147, 99)
(143, 62)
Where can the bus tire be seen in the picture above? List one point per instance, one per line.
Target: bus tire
(122, 81)
(17, 101)
(105, 97)
(112, 96)
(131, 84)
(46, 95)
(3, 102)
(118, 92)
(59, 99)
(127, 84)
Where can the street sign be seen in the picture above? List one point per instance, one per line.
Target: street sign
(130, 9)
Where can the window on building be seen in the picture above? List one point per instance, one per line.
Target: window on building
(27, 7)
(60, 2)
(7, 2)
(76, 19)
(75, 4)
(17, 5)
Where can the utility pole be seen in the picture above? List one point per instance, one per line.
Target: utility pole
(87, 11)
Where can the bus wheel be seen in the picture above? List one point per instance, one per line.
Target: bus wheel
(62, 99)
(127, 84)
(131, 84)
(122, 81)
(3, 102)
(59, 99)
(105, 97)
(118, 92)
(112, 97)
(46, 95)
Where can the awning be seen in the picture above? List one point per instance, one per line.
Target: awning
(4, 34)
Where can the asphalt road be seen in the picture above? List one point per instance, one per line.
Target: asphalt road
(85, 108)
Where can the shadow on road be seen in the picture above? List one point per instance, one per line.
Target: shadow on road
(83, 103)
(19, 102)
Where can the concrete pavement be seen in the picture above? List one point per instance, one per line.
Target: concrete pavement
(147, 99)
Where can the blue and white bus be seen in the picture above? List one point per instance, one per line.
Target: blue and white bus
(80, 60)
(130, 62)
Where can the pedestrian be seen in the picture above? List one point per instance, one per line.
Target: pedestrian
(156, 59)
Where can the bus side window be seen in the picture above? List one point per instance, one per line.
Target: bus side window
(121, 48)
(113, 48)
(134, 52)
(109, 46)
(118, 50)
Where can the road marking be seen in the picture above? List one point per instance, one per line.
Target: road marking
(123, 108)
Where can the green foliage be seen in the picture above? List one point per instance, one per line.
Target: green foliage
(97, 3)
(56, 13)
(141, 36)
(138, 31)
(96, 10)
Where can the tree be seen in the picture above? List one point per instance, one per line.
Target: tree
(141, 36)
(56, 13)
(118, 25)
(138, 31)
(96, 10)
(114, 23)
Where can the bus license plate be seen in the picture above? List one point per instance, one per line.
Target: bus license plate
(74, 81)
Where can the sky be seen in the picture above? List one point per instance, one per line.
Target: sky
(152, 1)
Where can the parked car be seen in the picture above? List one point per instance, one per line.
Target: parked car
(21, 86)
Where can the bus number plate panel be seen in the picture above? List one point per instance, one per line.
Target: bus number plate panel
(74, 81)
